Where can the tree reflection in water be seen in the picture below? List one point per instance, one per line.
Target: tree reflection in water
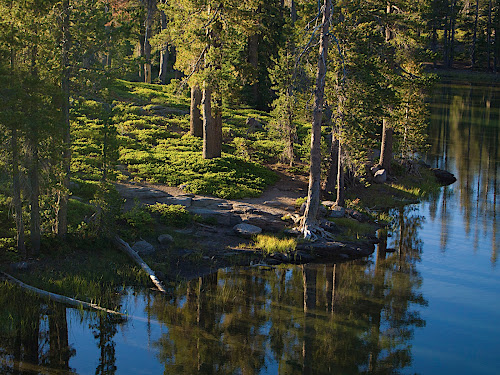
(337, 318)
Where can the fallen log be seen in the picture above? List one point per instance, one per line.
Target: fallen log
(57, 297)
(125, 247)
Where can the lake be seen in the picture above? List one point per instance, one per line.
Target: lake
(427, 301)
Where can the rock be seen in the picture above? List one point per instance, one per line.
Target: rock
(165, 239)
(243, 209)
(20, 266)
(356, 215)
(226, 218)
(274, 203)
(374, 169)
(206, 202)
(328, 204)
(183, 201)
(247, 230)
(253, 125)
(329, 226)
(337, 212)
(303, 257)
(444, 177)
(224, 206)
(322, 211)
(143, 248)
(380, 176)
(269, 224)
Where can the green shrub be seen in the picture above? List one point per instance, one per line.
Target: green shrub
(139, 219)
(174, 215)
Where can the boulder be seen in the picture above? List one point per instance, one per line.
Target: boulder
(337, 212)
(328, 204)
(356, 215)
(247, 230)
(165, 239)
(143, 248)
(380, 176)
(444, 177)
(253, 125)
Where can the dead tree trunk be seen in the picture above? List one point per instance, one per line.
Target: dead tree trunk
(162, 73)
(313, 195)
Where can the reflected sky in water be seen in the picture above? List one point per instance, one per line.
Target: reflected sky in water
(426, 302)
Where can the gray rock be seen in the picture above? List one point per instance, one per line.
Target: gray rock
(374, 169)
(243, 209)
(337, 212)
(226, 218)
(328, 204)
(225, 206)
(380, 176)
(20, 266)
(165, 239)
(274, 203)
(143, 248)
(206, 202)
(247, 230)
(253, 124)
(322, 211)
(183, 201)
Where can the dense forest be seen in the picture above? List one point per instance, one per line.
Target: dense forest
(209, 93)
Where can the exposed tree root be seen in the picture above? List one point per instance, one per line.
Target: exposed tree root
(57, 297)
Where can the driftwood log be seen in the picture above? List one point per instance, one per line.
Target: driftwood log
(125, 247)
(57, 297)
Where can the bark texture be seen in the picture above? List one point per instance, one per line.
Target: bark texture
(196, 122)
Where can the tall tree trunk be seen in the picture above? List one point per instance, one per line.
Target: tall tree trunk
(196, 122)
(162, 73)
(313, 195)
(62, 213)
(18, 207)
(453, 22)
(386, 147)
(147, 35)
(212, 134)
(474, 36)
(387, 130)
(340, 201)
(488, 34)
(253, 59)
(33, 169)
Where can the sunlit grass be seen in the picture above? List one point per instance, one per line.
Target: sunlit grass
(272, 244)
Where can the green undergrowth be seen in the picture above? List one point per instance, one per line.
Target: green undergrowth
(142, 134)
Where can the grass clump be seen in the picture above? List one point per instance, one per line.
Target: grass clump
(174, 215)
(272, 244)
